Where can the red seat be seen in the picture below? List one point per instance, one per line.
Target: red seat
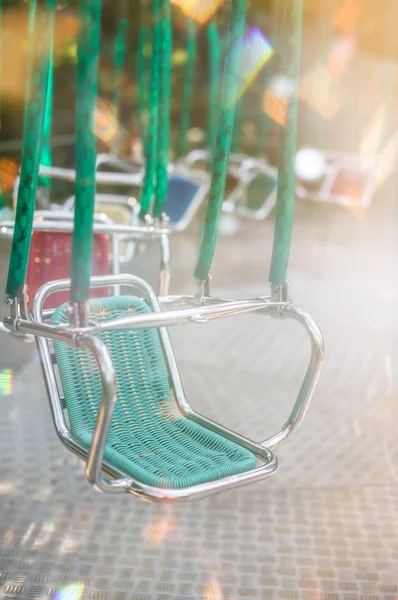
(50, 259)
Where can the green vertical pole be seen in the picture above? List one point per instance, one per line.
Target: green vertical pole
(142, 80)
(152, 134)
(264, 119)
(86, 147)
(237, 133)
(118, 59)
(186, 105)
(164, 108)
(38, 70)
(46, 156)
(290, 57)
(229, 93)
(213, 37)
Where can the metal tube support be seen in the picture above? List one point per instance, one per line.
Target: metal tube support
(105, 412)
(310, 379)
(164, 275)
(144, 233)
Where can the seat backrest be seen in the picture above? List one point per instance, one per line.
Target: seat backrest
(144, 393)
(180, 194)
(50, 259)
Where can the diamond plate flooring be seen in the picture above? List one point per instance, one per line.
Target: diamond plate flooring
(325, 527)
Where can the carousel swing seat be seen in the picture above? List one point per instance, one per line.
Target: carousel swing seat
(154, 444)
(149, 439)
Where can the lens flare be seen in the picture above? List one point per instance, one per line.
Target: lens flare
(388, 159)
(14, 35)
(372, 134)
(255, 52)
(346, 18)
(106, 121)
(8, 174)
(6, 382)
(213, 590)
(9, 539)
(200, 11)
(163, 527)
(320, 92)
(70, 592)
(340, 55)
(275, 107)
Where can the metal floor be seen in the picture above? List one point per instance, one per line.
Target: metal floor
(325, 527)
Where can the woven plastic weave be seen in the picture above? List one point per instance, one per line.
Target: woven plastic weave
(149, 438)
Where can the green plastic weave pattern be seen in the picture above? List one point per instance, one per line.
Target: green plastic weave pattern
(149, 439)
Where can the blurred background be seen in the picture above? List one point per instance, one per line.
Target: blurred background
(324, 528)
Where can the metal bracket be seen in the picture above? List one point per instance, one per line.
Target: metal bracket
(203, 289)
(18, 310)
(77, 312)
(280, 293)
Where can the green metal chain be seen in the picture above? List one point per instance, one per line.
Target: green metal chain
(237, 133)
(152, 134)
(164, 66)
(188, 88)
(38, 70)
(118, 59)
(264, 119)
(214, 45)
(290, 59)
(224, 136)
(142, 82)
(86, 146)
(46, 154)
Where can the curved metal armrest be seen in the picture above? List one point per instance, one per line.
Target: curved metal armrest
(195, 156)
(105, 411)
(258, 165)
(310, 378)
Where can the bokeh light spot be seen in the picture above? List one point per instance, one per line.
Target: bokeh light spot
(6, 382)
(106, 121)
(8, 174)
(70, 592)
(200, 11)
(255, 52)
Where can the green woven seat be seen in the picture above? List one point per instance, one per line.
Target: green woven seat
(149, 439)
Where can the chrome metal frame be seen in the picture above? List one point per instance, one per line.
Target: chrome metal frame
(197, 176)
(127, 201)
(248, 171)
(202, 180)
(235, 160)
(63, 222)
(209, 308)
(103, 177)
(334, 162)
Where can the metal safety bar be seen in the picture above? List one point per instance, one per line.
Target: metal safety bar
(84, 338)
(208, 309)
(139, 233)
